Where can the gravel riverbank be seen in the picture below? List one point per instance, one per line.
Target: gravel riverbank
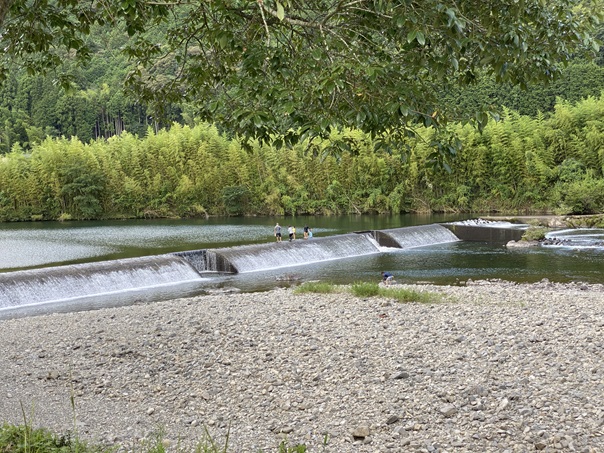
(494, 367)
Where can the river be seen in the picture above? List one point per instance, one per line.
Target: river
(27, 246)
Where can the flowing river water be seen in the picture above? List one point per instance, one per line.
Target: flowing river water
(574, 255)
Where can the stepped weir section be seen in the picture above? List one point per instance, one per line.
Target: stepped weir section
(252, 258)
(71, 282)
(416, 236)
(79, 280)
(493, 232)
(261, 257)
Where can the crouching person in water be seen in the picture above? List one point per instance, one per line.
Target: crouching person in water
(387, 278)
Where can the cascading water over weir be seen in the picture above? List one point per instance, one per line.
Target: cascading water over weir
(72, 282)
(79, 280)
(252, 258)
(417, 236)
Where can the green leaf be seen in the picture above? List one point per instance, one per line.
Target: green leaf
(421, 38)
(451, 14)
(223, 41)
(280, 11)
(455, 64)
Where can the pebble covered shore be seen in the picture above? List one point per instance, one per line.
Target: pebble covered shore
(493, 367)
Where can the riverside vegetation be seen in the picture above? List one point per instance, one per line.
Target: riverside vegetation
(519, 164)
(27, 439)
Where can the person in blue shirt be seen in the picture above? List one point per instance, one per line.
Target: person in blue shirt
(387, 278)
(278, 232)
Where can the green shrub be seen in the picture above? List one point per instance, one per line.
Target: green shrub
(534, 234)
(581, 197)
(365, 289)
(315, 287)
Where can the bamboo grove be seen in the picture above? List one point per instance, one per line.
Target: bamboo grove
(519, 164)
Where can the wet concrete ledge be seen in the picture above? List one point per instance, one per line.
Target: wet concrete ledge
(478, 233)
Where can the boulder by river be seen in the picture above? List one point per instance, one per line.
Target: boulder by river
(493, 367)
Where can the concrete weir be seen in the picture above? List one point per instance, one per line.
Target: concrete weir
(259, 257)
(415, 236)
(496, 232)
(88, 279)
(72, 282)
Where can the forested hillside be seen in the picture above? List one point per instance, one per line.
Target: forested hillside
(96, 150)
(261, 70)
(519, 164)
(33, 107)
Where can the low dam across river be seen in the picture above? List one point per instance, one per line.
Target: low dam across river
(72, 282)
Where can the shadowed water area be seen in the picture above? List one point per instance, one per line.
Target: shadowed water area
(64, 267)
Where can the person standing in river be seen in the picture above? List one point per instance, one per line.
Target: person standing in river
(277, 230)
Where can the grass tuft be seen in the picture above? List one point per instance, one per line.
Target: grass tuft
(284, 447)
(315, 287)
(365, 289)
(26, 439)
(369, 289)
(409, 295)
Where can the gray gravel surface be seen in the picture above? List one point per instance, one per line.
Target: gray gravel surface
(493, 367)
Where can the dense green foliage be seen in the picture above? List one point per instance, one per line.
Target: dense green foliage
(518, 164)
(578, 81)
(300, 68)
(32, 107)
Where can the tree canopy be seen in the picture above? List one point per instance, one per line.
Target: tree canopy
(290, 68)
